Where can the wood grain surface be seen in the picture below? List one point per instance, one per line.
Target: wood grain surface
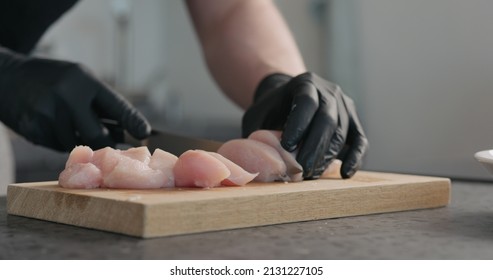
(164, 212)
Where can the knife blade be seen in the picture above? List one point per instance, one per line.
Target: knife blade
(173, 143)
(177, 144)
(168, 141)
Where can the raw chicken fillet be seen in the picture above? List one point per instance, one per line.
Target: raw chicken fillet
(259, 158)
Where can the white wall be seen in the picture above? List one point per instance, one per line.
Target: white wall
(89, 34)
(423, 73)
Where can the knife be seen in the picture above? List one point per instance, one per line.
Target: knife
(177, 144)
(168, 141)
(173, 143)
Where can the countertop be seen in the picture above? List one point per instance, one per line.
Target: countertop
(462, 230)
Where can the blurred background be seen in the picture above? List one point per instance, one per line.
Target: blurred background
(420, 72)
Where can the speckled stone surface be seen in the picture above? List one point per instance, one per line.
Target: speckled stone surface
(463, 230)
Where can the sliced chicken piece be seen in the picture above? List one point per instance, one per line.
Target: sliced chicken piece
(79, 154)
(256, 157)
(239, 176)
(273, 139)
(164, 162)
(129, 173)
(197, 168)
(141, 154)
(333, 170)
(81, 176)
(131, 169)
(106, 159)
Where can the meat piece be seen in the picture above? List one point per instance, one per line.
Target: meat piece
(129, 173)
(333, 170)
(80, 154)
(164, 162)
(239, 176)
(106, 159)
(130, 169)
(79, 172)
(80, 176)
(273, 138)
(141, 154)
(256, 157)
(197, 168)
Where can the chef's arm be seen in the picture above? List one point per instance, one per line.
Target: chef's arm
(254, 59)
(243, 41)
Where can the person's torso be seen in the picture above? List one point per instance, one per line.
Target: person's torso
(23, 22)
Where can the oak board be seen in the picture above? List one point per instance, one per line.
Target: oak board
(164, 212)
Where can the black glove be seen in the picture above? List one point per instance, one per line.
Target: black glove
(59, 104)
(316, 117)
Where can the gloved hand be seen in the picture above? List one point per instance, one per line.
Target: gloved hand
(59, 104)
(316, 118)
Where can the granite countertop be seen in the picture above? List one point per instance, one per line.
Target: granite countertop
(462, 230)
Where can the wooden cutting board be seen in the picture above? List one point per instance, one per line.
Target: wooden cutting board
(163, 212)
